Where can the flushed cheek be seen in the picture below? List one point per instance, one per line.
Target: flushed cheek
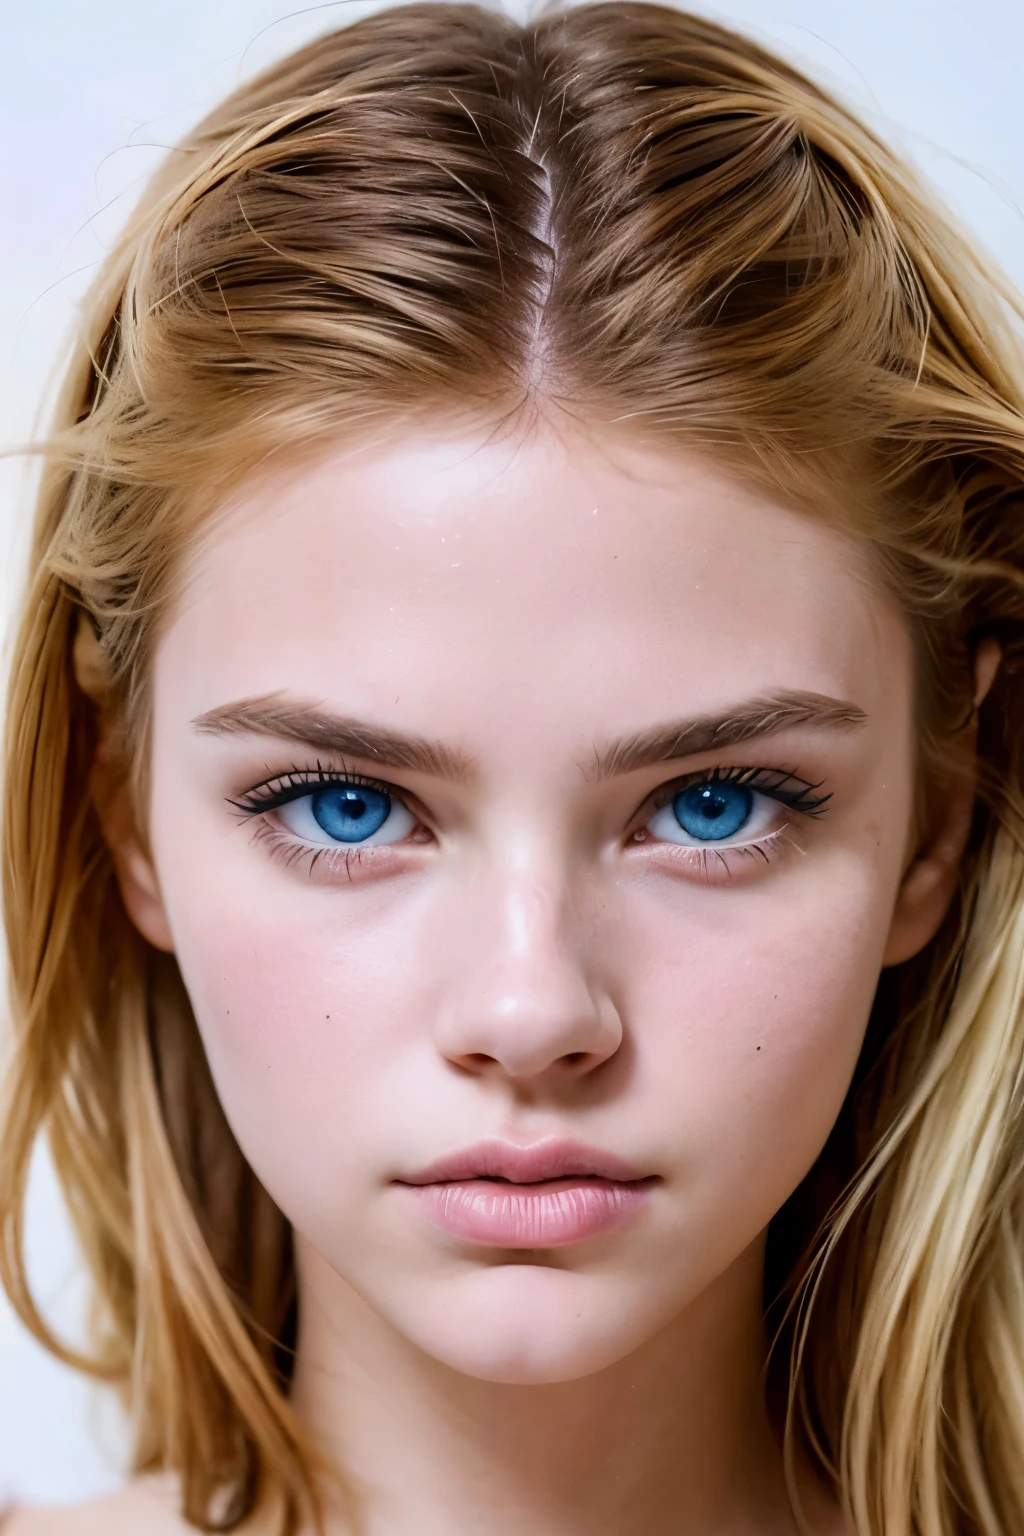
(747, 1037)
(303, 1025)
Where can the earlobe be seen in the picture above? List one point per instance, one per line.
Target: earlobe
(111, 796)
(136, 877)
(930, 880)
(924, 896)
(141, 896)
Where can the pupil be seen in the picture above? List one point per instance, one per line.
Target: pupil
(713, 811)
(350, 815)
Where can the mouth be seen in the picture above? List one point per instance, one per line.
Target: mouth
(548, 1195)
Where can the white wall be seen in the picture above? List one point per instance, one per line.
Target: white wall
(89, 94)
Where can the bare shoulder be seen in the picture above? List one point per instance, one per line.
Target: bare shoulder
(146, 1508)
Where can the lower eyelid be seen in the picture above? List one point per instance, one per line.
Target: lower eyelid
(709, 862)
(329, 864)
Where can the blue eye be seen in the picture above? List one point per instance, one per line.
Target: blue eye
(713, 811)
(349, 815)
(346, 814)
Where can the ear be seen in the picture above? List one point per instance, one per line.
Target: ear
(136, 876)
(110, 788)
(930, 879)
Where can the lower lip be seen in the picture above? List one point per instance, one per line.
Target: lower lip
(552, 1214)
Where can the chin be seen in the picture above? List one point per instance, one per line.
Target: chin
(526, 1324)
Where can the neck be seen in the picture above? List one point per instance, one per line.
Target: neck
(673, 1437)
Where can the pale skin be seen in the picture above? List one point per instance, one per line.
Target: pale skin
(564, 625)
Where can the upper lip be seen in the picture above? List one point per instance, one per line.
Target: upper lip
(551, 1159)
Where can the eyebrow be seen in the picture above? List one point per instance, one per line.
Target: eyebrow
(273, 715)
(313, 727)
(757, 717)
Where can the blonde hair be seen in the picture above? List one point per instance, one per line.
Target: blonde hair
(641, 219)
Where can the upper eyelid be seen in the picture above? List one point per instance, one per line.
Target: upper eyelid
(304, 781)
(747, 775)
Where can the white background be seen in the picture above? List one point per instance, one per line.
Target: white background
(91, 91)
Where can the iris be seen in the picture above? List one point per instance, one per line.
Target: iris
(713, 811)
(350, 813)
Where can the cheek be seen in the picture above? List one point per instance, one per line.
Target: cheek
(307, 1003)
(751, 1017)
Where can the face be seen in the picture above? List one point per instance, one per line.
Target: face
(529, 823)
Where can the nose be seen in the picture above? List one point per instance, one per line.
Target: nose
(524, 1003)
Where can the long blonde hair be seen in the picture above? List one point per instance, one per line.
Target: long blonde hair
(637, 217)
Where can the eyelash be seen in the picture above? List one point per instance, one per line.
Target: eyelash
(777, 784)
(296, 782)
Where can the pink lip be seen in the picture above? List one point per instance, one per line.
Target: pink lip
(545, 1196)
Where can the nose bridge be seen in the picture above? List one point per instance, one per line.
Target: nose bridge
(523, 996)
(531, 910)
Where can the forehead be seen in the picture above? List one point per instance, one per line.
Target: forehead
(552, 574)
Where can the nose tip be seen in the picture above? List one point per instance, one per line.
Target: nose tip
(526, 1044)
(528, 1014)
